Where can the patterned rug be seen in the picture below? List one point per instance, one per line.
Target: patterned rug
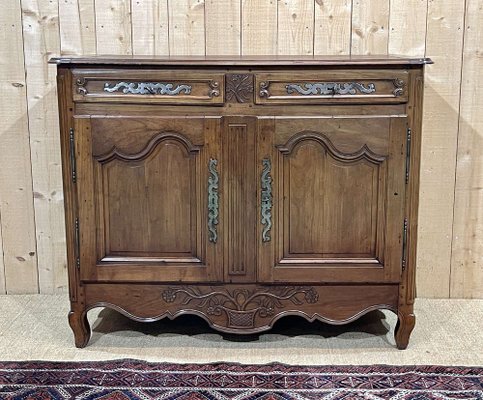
(130, 379)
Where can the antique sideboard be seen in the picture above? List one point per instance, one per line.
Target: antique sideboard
(241, 190)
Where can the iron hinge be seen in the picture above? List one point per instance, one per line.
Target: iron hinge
(404, 243)
(72, 155)
(77, 243)
(408, 153)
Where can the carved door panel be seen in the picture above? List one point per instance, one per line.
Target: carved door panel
(148, 201)
(332, 199)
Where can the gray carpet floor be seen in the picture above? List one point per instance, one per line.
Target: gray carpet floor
(448, 332)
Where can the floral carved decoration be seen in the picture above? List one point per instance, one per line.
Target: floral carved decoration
(239, 87)
(241, 305)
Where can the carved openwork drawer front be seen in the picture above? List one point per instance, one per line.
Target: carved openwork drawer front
(171, 87)
(325, 87)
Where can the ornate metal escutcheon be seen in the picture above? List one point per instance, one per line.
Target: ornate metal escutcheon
(212, 200)
(330, 88)
(148, 88)
(266, 209)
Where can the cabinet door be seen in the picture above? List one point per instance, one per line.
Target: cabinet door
(148, 198)
(331, 199)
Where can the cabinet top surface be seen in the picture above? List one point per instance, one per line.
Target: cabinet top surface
(136, 60)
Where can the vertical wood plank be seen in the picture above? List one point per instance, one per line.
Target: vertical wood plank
(77, 22)
(295, 27)
(41, 40)
(407, 27)
(467, 251)
(444, 42)
(223, 21)
(113, 26)
(150, 27)
(3, 289)
(186, 27)
(370, 20)
(332, 27)
(259, 27)
(16, 204)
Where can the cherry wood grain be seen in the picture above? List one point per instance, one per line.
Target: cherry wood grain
(342, 203)
(144, 198)
(239, 198)
(338, 194)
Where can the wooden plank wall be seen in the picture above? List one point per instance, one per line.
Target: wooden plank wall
(450, 256)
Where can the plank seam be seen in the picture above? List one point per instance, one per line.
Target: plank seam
(351, 28)
(168, 27)
(313, 29)
(457, 146)
(426, 33)
(30, 152)
(95, 24)
(277, 24)
(241, 28)
(389, 26)
(58, 31)
(3, 289)
(131, 24)
(204, 23)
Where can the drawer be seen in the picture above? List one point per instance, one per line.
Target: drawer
(329, 87)
(148, 86)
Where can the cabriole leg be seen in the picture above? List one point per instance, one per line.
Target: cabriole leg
(404, 327)
(80, 326)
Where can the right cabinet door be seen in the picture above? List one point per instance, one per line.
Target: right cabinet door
(331, 199)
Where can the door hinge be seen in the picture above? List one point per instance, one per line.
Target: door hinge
(404, 243)
(408, 153)
(72, 155)
(77, 243)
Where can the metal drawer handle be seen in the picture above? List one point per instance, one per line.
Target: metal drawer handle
(212, 200)
(148, 88)
(266, 203)
(330, 88)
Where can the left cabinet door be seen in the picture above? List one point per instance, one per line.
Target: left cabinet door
(148, 198)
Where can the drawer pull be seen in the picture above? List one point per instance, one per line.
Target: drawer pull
(148, 88)
(212, 200)
(266, 210)
(330, 88)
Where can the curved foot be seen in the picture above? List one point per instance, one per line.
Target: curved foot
(81, 328)
(404, 327)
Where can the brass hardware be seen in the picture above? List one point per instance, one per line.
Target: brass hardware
(212, 200)
(266, 209)
(330, 88)
(72, 155)
(148, 88)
